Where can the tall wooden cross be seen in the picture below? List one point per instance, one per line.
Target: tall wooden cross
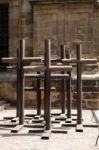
(19, 61)
(79, 61)
(50, 68)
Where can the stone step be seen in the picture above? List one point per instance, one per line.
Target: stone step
(46, 135)
(89, 88)
(87, 95)
(7, 105)
(29, 88)
(88, 82)
(91, 100)
(4, 106)
(2, 102)
(1, 107)
(91, 103)
(79, 128)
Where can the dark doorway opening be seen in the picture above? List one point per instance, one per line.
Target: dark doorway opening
(4, 33)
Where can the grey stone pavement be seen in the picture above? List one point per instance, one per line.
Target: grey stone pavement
(70, 141)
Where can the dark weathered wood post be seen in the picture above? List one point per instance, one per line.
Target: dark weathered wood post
(21, 79)
(63, 97)
(47, 103)
(79, 84)
(38, 96)
(68, 89)
(18, 86)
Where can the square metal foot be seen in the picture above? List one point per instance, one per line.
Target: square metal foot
(79, 128)
(37, 117)
(68, 120)
(46, 135)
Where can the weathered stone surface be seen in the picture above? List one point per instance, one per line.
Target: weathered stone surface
(61, 20)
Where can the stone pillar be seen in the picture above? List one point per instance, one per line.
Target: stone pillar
(13, 27)
(26, 28)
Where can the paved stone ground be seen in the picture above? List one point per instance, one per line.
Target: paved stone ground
(71, 141)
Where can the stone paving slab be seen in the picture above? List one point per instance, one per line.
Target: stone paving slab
(70, 141)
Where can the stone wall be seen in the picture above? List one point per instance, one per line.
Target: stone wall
(58, 20)
(20, 25)
(61, 22)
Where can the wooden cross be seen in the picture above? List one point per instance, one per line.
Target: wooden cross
(20, 60)
(47, 69)
(50, 68)
(79, 61)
